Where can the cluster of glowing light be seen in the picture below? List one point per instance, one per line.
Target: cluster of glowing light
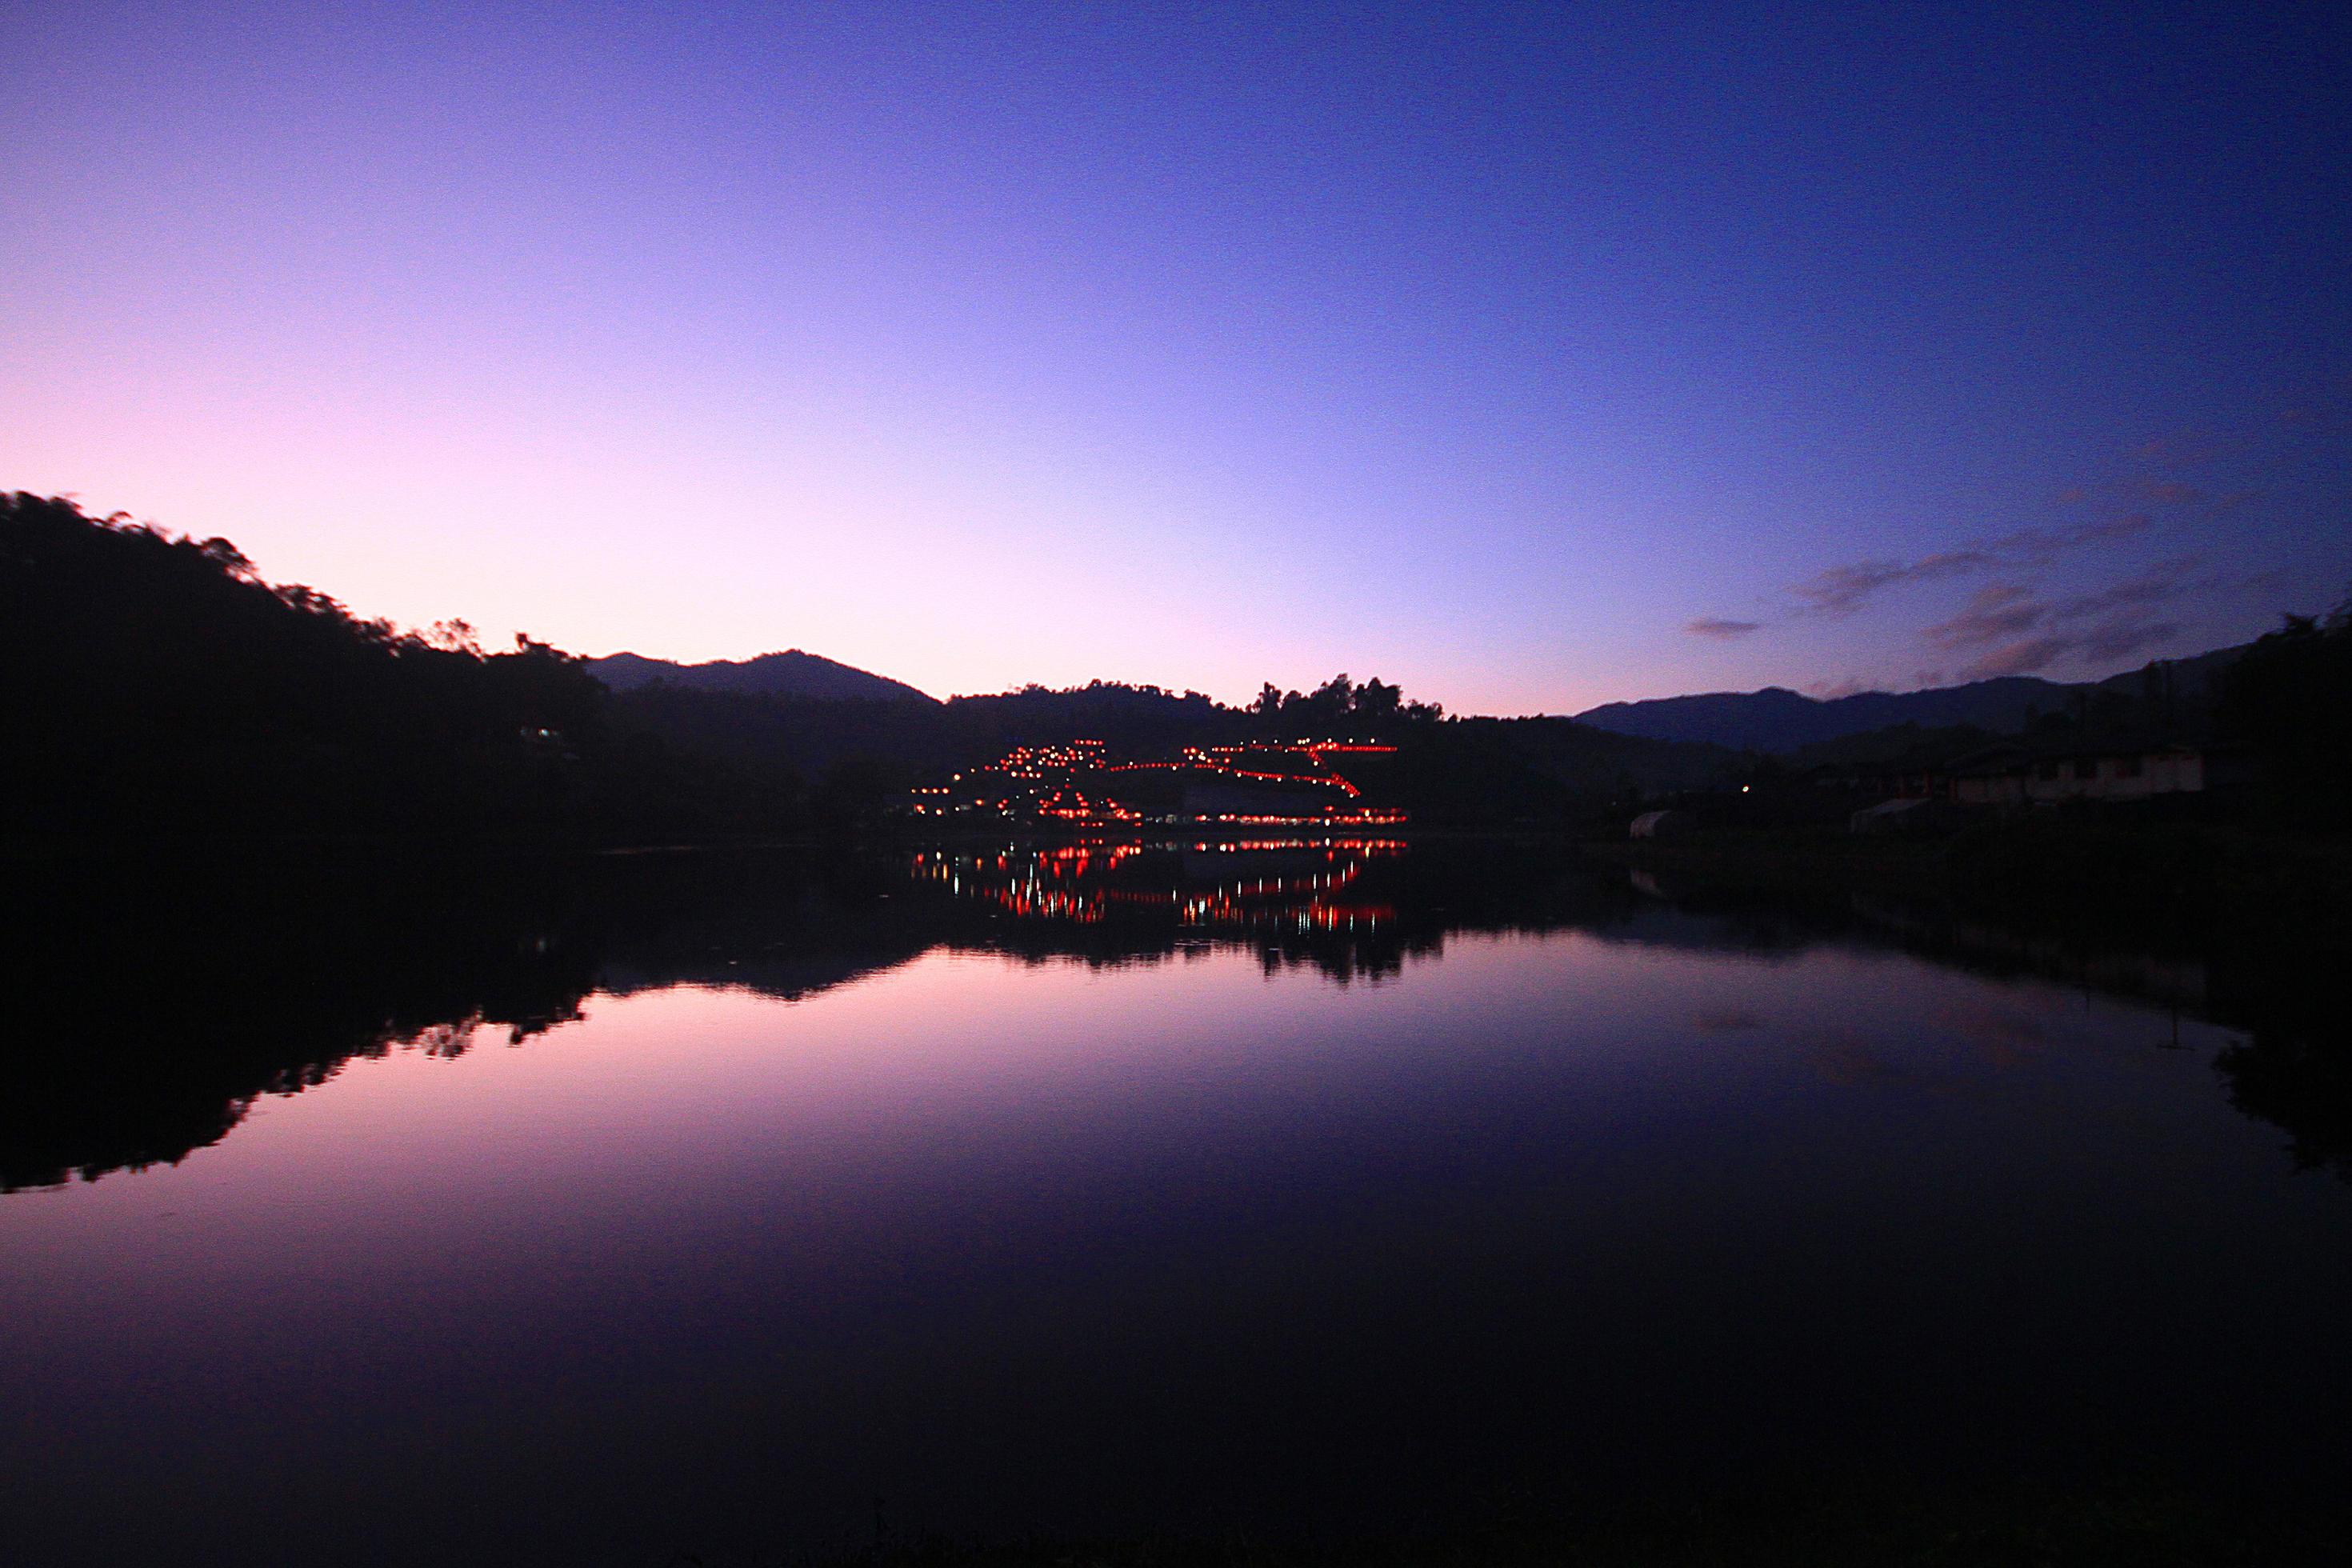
(1374, 817)
(1070, 785)
(1073, 883)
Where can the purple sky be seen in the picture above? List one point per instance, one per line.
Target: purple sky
(1531, 358)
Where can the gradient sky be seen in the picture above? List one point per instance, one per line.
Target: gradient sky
(1532, 357)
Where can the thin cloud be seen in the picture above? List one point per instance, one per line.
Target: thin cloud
(2003, 611)
(1709, 626)
(2127, 639)
(1840, 591)
(2166, 581)
(2030, 656)
(2034, 546)
(2165, 492)
(2183, 448)
(2269, 582)
(2113, 640)
(2012, 631)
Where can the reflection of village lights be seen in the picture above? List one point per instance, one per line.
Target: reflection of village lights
(1067, 882)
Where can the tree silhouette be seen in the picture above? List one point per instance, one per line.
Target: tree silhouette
(2290, 697)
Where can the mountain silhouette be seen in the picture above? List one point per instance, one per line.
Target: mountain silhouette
(1779, 719)
(791, 673)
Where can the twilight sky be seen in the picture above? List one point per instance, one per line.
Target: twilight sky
(1532, 357)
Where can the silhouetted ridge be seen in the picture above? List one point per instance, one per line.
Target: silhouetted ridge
(791, 673)
(157, 687)
(1779, 719)
(156, 684)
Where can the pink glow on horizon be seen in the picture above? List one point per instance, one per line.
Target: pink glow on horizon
(978, 347)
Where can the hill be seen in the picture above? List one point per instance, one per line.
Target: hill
(1779, 719)
(791, 673)
(158, 685)
(1449, 771)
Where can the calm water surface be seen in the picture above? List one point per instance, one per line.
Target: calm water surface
(1291, 1187)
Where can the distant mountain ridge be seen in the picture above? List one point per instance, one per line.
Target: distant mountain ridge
(1779, 719)
(791, 673)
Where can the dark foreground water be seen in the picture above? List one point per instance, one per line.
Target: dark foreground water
(627, 1212)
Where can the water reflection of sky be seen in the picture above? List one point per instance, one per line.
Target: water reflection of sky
(1018, 1241)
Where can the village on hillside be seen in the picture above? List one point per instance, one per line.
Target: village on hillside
(1257, 783)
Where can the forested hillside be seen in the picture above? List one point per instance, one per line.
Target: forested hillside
(158, 687)
(1781, 721)
(156, 684)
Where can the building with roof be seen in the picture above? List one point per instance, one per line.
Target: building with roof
(2091, 768)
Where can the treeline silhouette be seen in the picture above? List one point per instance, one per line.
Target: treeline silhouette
(157, 686)
(2289, 698)
(900, 740)
(1448, 771)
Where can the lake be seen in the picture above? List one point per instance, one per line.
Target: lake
(727, 1206)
